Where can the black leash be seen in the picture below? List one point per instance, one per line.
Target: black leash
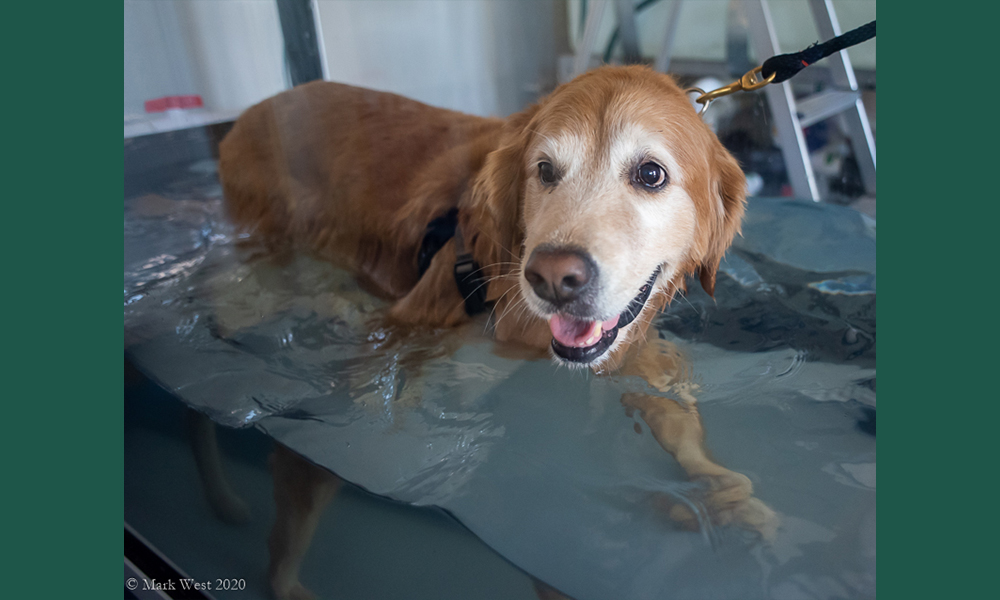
(784, 66)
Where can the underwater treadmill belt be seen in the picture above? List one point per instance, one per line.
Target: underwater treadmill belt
(543, 463)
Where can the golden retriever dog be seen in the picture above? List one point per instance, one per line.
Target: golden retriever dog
(575, 221)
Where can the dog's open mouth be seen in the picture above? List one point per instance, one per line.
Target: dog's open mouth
(581, 341)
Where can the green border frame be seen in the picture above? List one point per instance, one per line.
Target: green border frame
(63, 434)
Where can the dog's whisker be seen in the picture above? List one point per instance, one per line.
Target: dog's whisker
(501, 299)
(497, 264)
(518, 306)
(493, 310)
(478, 287)
(498, 277)
(521, 309)
(525, 322)
(504, 262)
(510, 306)
(499, 245)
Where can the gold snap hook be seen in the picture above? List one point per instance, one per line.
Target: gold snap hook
(750, 81)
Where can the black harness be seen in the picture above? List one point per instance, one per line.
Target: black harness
(468, 275)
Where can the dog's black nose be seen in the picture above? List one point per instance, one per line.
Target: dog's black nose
(560, 275)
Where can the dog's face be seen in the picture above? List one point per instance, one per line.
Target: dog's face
(622, 191)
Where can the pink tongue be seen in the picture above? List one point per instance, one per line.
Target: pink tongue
(577, 333)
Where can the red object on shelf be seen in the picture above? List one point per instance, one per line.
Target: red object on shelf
(173, 103)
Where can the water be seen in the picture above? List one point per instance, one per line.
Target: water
(544, 464)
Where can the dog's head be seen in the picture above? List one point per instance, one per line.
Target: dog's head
(609, 192)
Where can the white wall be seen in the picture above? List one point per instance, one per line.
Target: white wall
(157, 61)
(477, 56)
(230, 52)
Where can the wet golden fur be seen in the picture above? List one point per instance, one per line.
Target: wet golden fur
(355, 176)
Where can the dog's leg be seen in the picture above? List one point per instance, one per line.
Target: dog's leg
(301, 492)
(225, 503)
(677, 427)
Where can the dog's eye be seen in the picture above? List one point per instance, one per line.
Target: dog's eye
(651, 175)
(547, 173)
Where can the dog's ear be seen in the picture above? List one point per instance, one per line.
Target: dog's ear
(498, 189)
(729, 190)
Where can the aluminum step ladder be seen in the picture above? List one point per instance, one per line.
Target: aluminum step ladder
(790, 115)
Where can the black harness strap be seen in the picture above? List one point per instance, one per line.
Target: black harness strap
(468, 275)
(438, 232)
(784, 66)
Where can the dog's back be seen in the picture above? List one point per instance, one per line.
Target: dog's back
(353, 174)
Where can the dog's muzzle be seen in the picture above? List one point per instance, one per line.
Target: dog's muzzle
(584, 341)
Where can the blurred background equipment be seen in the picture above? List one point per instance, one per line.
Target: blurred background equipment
(812, 137)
